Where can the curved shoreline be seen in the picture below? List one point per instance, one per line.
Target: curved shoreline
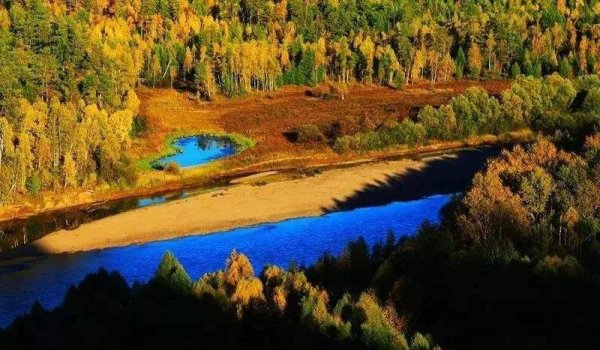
(250, 204)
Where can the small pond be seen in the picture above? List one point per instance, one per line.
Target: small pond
(197, 150)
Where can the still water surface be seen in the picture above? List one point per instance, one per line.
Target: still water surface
(198, 150)
(301, 240)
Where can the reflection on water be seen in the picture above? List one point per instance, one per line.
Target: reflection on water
(15, 233)
(197, 150)
(149, 201)
(301, 240)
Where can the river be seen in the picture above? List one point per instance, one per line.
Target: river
(300, 240)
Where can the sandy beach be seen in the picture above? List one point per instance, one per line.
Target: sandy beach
(247, 204)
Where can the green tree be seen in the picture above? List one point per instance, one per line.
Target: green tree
(565, 68)
(461, 62)
(515, 70)
(171, 273)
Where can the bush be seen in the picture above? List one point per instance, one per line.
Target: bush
(34, 184)
(130, 173)
(350, 125)
(139, 127)
(329, 91)
(173, 168)
(309, 133)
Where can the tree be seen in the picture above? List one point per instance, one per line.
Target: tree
(172, 274)
(565, 69)
(515, 70)
(461, 62)
(203, 77)
(475, 61)
(188, 61)
(238, 268)
(6, 140)
(367, 50)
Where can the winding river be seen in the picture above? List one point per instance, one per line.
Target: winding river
(301, 240)
(400, 205)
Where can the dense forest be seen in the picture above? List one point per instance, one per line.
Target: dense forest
(68, 106)
(514, 263)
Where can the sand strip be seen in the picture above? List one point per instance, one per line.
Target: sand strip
(246, 204)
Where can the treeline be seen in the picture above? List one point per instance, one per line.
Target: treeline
(236, 46)
(549, 105)
(227, 309)
(80, 54)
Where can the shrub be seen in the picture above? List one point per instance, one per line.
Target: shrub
(34, 184)
(309, 133)
(329, 91)
(173, 168)
(139, 127)
(130, 173)
(343, 144)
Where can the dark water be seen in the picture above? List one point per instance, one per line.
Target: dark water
(18, 232)
(300, 240)
(198, 150)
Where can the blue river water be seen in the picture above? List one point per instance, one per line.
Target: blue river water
(302, 240)
(197, 150)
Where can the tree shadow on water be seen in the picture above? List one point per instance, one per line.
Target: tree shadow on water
(445, 174)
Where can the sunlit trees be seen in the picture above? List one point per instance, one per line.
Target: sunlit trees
(475, 62)
(367, 50)
(6, 140)
(64, 54)
(532, 197)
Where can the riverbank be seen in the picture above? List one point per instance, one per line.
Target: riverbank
(262, 117)
(260, 200)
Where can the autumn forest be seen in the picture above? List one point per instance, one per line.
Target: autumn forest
(68, 103)
(359, 104)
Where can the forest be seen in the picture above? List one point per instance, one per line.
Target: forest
(68, 106)
(514, 263)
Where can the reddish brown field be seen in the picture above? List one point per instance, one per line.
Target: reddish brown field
(265, 117)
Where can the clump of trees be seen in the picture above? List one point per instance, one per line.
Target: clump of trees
(540, 200)
(543, 105)
(224, 309)
(67, 103)
(523, 240)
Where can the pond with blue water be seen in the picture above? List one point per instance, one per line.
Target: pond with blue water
(302, 240)
(193, 151)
